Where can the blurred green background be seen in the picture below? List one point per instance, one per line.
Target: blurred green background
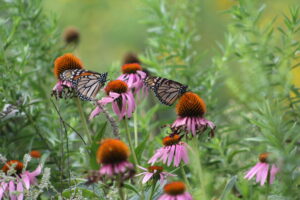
(110, 28)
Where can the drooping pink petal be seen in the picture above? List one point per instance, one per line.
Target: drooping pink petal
(147, 177)
(165, 155)
(264, 174)
(106, 100)
(193, 126)
(114, 95)
(184, 154)
(117, 110)
(130, 80)
(187, 196)
(12, 189)
(129, 106)
(142, 168)
(253, 171)
(273, 172)
(36, 172)
(260, 172)
(26, 180)
(3, 187)
(20, 190)
(162, 178)
(143, 173)
(95, 112)
(171, 154)
(156, 156)
(142, 74)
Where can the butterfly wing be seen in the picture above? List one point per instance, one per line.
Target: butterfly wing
(70, 74)
(88, 85)
(167, 91)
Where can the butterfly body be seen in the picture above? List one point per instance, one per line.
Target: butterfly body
(167, 91)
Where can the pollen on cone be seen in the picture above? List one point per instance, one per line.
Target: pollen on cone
(112, 151)
(263, 157)
(131, 68)
(65, 62)
(155, 168)
(117, 86)
(175, 188)
(190, 105)
(171, 140)
(35, 154)
(18, 166)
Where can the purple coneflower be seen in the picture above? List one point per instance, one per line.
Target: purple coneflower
(155, 173)
(133, 76)
(262, 170)
(190, 110)
(121, 98)
(173, 149)
(175, 191)
(113, 154)
(18, 181)
(66, 62)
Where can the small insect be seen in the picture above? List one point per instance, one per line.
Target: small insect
(167, 91)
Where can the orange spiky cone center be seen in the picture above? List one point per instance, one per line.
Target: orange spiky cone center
(35, 154)
(190, 105)
(18, 166)
(65, 62)
(263, 157)
(171, 140)
(175, 188)
(112, 151)
(131, 68)
(155, 168)
(116, 86)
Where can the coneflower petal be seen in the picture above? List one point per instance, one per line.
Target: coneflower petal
(11, 189)
(264, 174)
(171, 154)
(147, 177)
(3, 187)
(20, 189)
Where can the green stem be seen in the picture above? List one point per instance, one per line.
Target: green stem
(135, 128)
(83, 119)
(184, 175)
(130, 143)
(196, 157)
(121, 192)
(152, 189)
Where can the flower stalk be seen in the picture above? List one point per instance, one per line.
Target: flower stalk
(111, 120)
(152, 189)
(135, 161)
(135, 127)
(83, 119)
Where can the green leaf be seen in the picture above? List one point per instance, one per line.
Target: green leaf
(132, 188)
(228, 187)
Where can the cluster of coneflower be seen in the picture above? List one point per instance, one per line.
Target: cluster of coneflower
(113, 154)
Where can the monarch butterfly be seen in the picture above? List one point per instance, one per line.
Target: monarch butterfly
(86, 83)
(167, 91)
(71, 74)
